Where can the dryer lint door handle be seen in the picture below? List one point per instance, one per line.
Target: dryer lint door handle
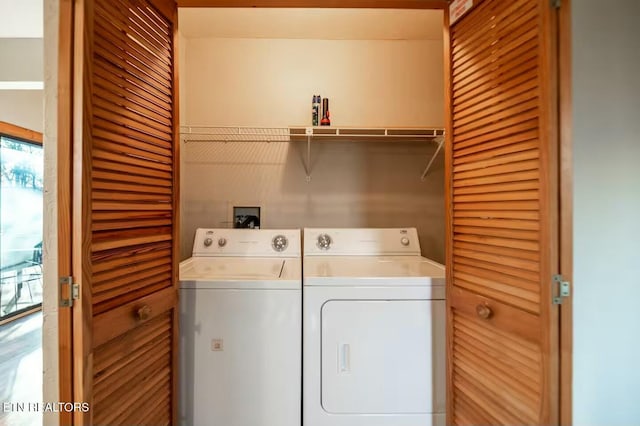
(344, 358)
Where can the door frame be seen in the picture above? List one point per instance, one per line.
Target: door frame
(64, 134)
(565, 216)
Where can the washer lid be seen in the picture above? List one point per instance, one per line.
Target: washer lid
(373, 270)
(240, 273)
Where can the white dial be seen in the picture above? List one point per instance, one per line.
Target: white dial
(279, 243)
(404, 241)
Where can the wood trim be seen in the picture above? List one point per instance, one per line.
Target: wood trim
(448, 196)
(549, 231)
(63, 174)
(81, 202)
(21, 315)
(176, 219)
(17, 132)
(566, 212)
(351, 4)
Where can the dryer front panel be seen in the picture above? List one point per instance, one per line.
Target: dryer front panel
(382, 357)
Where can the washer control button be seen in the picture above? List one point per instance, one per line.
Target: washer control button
(324, 242)
(404, 241)
(207, 242)
(222, 242)
(279, 243)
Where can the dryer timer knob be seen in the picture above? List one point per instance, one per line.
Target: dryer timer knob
(404, 241)
(222, 242)
(208, 242)
(279, 243)
(324, 242)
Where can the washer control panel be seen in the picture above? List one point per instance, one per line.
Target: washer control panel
(247, 242)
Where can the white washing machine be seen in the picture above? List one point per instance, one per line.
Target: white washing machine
(373, 330)
(240, 329)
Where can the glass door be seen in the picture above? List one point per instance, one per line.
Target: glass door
(21, 205)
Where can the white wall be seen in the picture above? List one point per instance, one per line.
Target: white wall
(270, 82)
(606, 105)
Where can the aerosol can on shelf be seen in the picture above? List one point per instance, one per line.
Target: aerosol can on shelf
(326, 120)
(315, 110)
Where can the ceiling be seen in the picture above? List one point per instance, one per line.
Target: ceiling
(332, 24)
(21, 18)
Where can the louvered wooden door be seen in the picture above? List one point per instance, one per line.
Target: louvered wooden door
(502, 215)
(125, 219)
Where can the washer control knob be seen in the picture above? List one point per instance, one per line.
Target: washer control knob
(324, 242)
(207, 242)
(404, 241)
(222, 242)
(279, 243)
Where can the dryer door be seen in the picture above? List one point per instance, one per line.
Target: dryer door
(383, 356)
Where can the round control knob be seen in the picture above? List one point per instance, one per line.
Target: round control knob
(222, 242)
(404, 241)
(279, 243)
(324, 242)
(208, 242)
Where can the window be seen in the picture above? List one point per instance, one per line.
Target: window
(21, 211)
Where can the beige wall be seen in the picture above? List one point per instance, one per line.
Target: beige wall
(258, 82)
(22, 60)
(24, 108)
(270, 82)
(353, 184)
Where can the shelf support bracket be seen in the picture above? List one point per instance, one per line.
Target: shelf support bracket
(435, 154)
(307, 164)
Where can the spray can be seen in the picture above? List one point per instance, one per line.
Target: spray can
(315, 110)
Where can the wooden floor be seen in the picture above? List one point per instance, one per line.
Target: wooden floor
(21, 369)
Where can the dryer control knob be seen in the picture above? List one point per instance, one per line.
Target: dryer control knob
(324, 242)
(208, 242)
(222, 242)
(404, 241)
(279, 243)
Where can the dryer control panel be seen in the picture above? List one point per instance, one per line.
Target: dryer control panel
(361, 242)
(247, 242)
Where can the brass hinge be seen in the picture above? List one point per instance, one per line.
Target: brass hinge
(556, 4)
(68, 291)
(562, 291)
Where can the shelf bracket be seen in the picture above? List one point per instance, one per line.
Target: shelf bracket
(435, 154)
(307, 164)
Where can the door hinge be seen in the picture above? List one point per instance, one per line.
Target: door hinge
(556, 4)
(69, 291)
(561, 290)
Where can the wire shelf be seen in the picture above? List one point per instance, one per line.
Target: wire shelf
(234, 134)
(307, 134)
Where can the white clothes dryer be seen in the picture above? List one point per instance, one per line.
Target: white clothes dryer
(373, 330)
(240, 329)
